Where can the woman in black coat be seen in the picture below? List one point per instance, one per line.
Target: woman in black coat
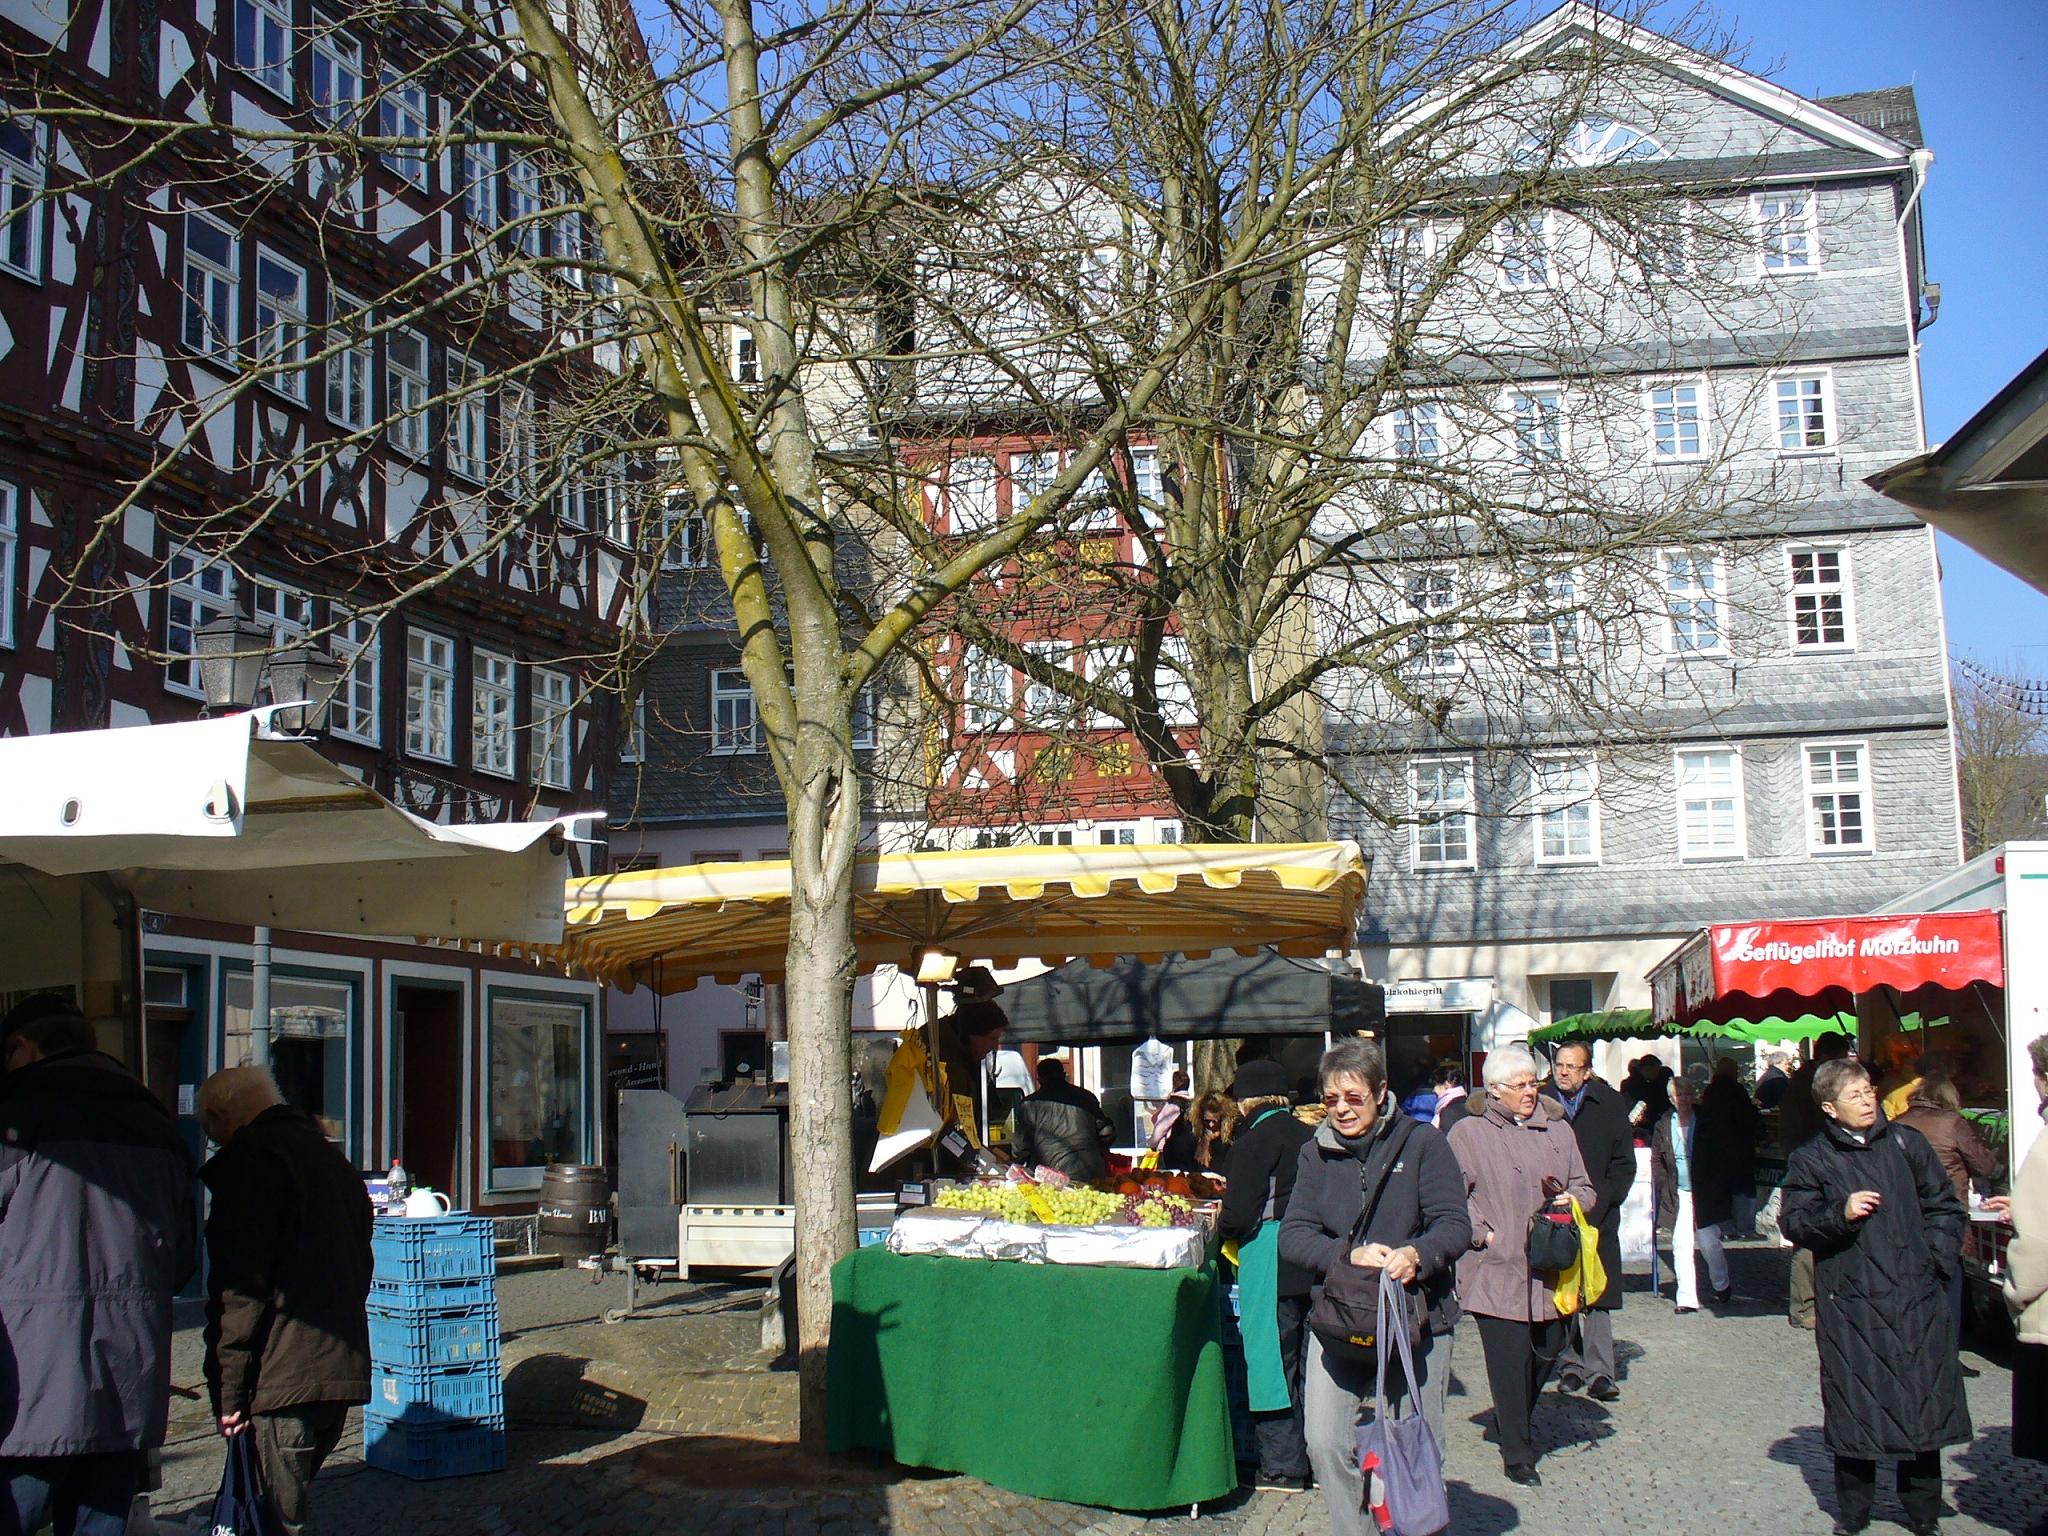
(1873, 1204)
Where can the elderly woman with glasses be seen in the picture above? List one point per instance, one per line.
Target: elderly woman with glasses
(1366, 1149)
(1881, 1215)
(1516, 1151)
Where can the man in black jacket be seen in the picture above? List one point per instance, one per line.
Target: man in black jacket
(288, 1279)
(1599, 1120)
(96, 1233)
(1258, 1171)
(1061, 1127)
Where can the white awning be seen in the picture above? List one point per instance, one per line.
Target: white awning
(212, 819)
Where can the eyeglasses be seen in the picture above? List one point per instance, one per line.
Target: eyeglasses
(1521, 1085)
(1355, 1100)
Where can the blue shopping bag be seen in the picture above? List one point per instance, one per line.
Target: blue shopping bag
(240, 1509)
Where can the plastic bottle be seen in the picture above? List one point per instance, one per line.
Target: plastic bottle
(400, 1185)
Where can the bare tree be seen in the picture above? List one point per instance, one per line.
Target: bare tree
(2001, 756)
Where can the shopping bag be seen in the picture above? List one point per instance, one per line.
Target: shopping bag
(1583, 1281)
(1402, 1463)
(240, 1509)
(906, 1120)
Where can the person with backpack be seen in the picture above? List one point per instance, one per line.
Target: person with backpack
(1374, 1192)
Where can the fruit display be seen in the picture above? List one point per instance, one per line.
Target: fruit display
(1197, 1186)
(1077, 1205)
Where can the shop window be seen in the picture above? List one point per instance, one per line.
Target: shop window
(539, 1093)
(311, 1025)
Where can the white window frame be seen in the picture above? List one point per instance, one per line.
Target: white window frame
(1529, 419)
(1525, 250)
(351, 369)
(287, 611)
(1549, 802)
(1174, 683)
(1798, 380)
(281, 324)
(686, 543)
(1029, 473)
(1780, 239)
(1097, 662)
(862, 737)
(1433, 646)
(407, 390)
(404, 112)
(1688, 854)
(338, 78)
(477, 167)
(216, 303)
(519, 425)
(493, 713)
(1407, 251)
(469, 419)
(1040, 706)
(735, 714)
(10, 543)
(1842, 587)
(1714, 595)
(268, 57)
(971, 493)
(746, 357)
(1683, 223)
(1676, 414)
(523, 206)
(1416, 433)
(359, 647)
(988, 696)
(21, 203)
(1834, 790)
(1556, 638)
(633, 740)
(554, 728)
(206, 588)
(429, 695)
(1464, 811)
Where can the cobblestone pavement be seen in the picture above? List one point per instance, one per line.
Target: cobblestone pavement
(671, 1423)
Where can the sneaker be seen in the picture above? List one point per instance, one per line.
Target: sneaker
(1264, 1484)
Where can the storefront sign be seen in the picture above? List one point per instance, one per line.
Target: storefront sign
(1461, 995)
(1856, 954)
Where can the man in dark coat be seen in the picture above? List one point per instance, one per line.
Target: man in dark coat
(1061, 1127)
(288, 1279)
(1258, 1173)
(1599, 1119)
(1885, 1227)
(96, 1233)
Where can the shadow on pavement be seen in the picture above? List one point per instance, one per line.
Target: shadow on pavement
(552, 1391)
(1805, 1450)
(1990, 1484)
(1479, 1514)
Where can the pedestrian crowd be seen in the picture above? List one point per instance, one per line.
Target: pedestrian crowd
(99, 1231)
(1418, 1206)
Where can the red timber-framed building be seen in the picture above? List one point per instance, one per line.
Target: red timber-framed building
(128, 294)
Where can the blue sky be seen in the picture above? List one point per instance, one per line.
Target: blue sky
(1976, 66)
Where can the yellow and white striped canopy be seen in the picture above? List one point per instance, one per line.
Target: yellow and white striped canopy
(670, 928)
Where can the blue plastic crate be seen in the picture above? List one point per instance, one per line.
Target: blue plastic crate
(432, 1295)
(438, 1394)
(423, 1451)
(438, 1248)
(453, 1336)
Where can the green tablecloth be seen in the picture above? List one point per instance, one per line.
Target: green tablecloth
(1092, 1385)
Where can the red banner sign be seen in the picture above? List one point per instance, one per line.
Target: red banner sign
(1938, 949)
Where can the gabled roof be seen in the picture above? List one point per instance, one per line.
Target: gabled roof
(1893, 111)
(1577, 20)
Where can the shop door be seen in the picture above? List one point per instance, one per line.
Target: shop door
(429, 1086)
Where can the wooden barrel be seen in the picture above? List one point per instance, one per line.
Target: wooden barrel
(575, 1210)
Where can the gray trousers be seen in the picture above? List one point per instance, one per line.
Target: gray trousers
(1338, 1397)
(291, 1443)
(1801, 1309)
(1588, 1353)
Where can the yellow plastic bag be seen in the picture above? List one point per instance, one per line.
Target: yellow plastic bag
(906, 1120)
(1584, 1281)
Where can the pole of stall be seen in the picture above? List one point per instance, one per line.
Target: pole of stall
(259, 1000)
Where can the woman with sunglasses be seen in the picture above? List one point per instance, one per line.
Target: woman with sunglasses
(1417, 1229)
(1516, 1150)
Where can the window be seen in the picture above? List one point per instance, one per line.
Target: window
(1692, 604)
(862, 736)
(1175, 681)
(1837, 800)
(1667, 240)
(21, 197)
(210, 268)
(468, 420)
(1676, 423)
(1405, 250)
(1567, 811)
(429, 695)
(1109, 669)
(1433, 645)
(522, 197)
(1554, 621)
(493, 698)
(1710, 821)
(1416, 434)
(402, 114)
(1787, 236)
(522, 441)
(477, 166)
(281, 312)
(1523, 242)
(263, 44)
(633, 746)
(356, 646)
(1031, 475)
(605, 500)
(349, 369)
(1539, 426)
(1440, 793)
(1588, 142)
(746, 358)
(310, 1026)
(735, 724)
(10, 541)
(1805, 413)
(337, 77)
(1045, 708)
(554, 729)
(1147, 484)
(285, 611)
(985, 691)
(539, 1087)
(685, 535)
(405, 392)
(198, 592)
(970, 493)
(1820, 599)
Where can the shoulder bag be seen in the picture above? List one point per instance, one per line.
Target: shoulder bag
(1402, 1463)
(1346, 1315)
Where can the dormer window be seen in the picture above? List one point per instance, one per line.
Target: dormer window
(1593, 141)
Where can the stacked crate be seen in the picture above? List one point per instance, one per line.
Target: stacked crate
(437, 1401)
